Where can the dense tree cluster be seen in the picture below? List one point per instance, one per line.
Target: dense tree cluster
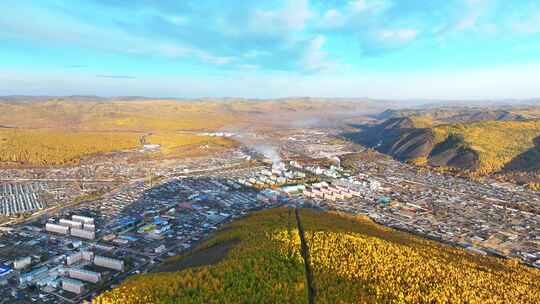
(58, 147)
(353, 260)
(497, 142)
(261, 269)
(356, 260)
(49, 147)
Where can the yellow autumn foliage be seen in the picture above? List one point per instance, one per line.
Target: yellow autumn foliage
(56, 147)
(497, 142)
(353, 259)
(260, 269)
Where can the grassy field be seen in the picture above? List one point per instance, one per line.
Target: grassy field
(497, 142)
(353, 261)
(182, 144)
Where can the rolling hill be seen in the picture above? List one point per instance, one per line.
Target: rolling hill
(430, 116)
(44, 131)
(261, 259)
(484, 147)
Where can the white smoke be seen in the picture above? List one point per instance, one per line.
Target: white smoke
(268, 152)
(260, 146)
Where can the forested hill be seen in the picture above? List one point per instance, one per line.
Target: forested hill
(259, 259)
(481, 146)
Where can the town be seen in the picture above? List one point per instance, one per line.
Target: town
(67, 250)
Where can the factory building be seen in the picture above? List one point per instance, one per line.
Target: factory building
(85, 234)
(82, 219)
(57, 228)
(89, 227)
(109, 263)
(72, 286)
(71, 224)
(22, 263)
(84, 275)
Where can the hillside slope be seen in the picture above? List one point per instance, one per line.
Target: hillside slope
(258, 260)
(455, 114)
(497, 143)
(483, 146)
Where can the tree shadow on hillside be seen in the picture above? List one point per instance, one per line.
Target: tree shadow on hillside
(363, 134)
(199, 257)
(526, 161)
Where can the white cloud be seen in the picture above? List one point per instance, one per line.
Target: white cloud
(470, 19)
(399, 36)
(178, 51)
(178, 20)
(297, 13)
(475, 10)
(332, 19)
(352, 15)
(528, 25)
(248, 66)
(65, 29)
(255, 54)
(315, 59)
(291, 18)
(368, 5)
(515, 81)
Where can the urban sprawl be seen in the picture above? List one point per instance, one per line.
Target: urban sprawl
(69, 234)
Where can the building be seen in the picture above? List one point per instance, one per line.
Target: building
(79, 257)
(82, 219)
(84, 275)
(90, 227)
(22, 263)
(74, 258)
(293, 188)
(109, 263)
(72, 286)
(160, 249)
(85, 234)
(71, 224)
(35, 274)
(87, 255)
(57, 228)
(4, 270)
(151, 148)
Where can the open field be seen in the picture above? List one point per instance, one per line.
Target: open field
(182, 144)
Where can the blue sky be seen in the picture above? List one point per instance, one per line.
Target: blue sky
(451, 49)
